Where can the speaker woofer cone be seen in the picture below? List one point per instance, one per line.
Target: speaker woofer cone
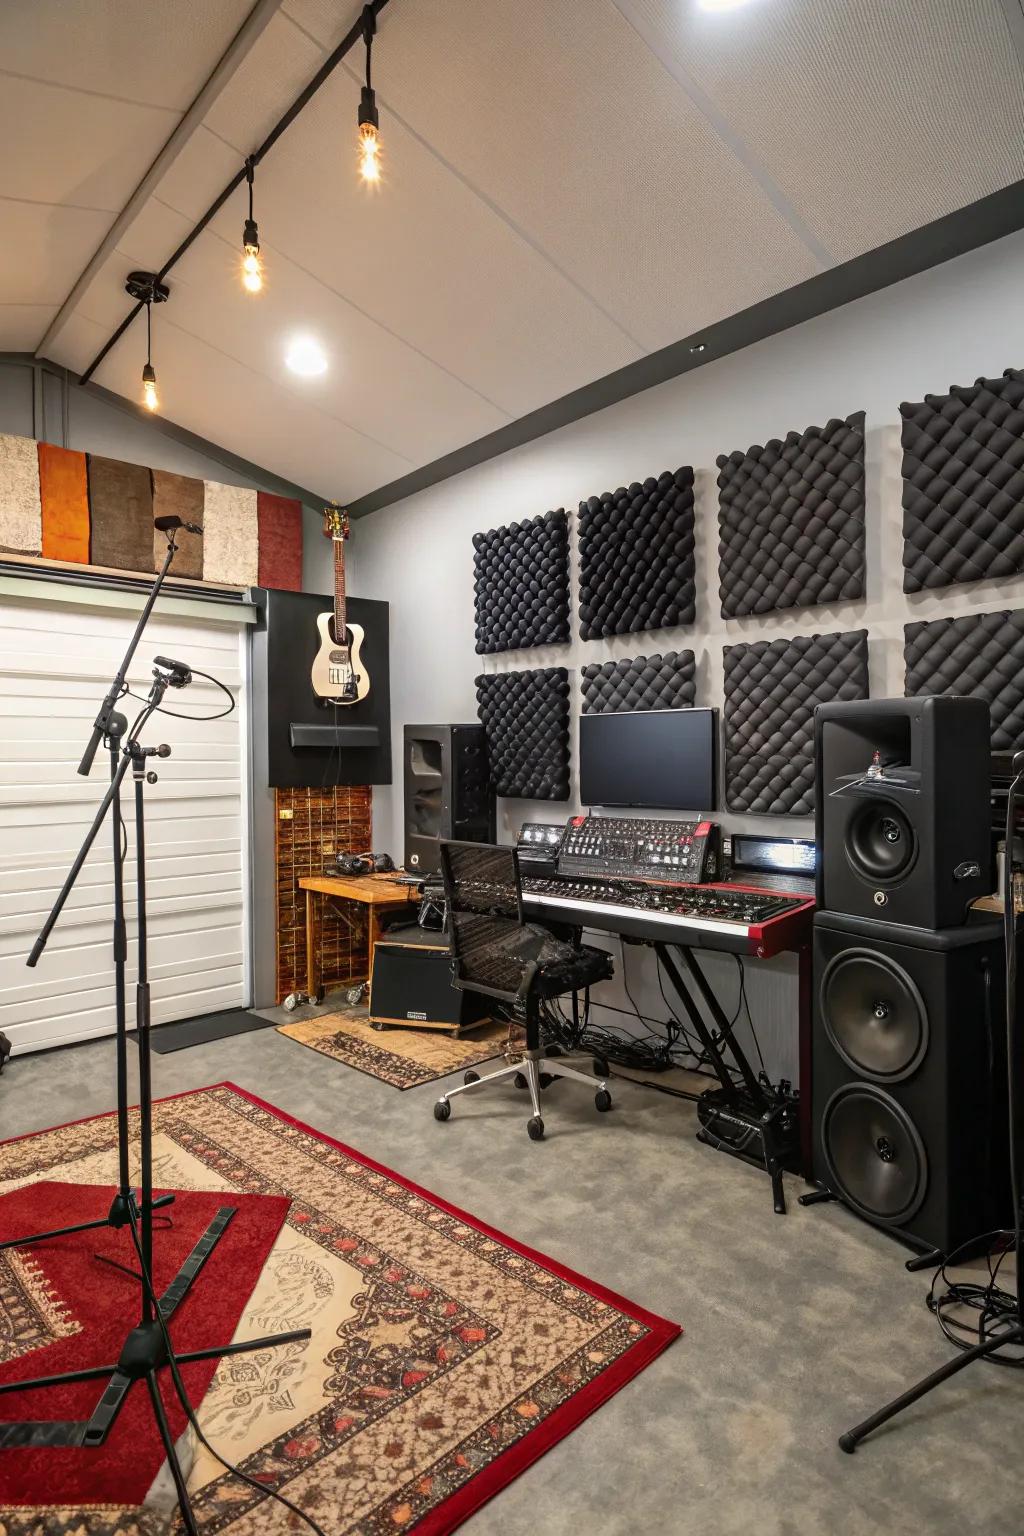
(880, 842)
(874, 1015)
(874, 1154)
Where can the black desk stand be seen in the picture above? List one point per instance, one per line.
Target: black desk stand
(754, 1122)
(147, 1346)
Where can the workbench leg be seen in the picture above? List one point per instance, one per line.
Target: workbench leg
(312, 975)
(373, 935)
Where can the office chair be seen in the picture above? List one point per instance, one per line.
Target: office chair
(496, 953)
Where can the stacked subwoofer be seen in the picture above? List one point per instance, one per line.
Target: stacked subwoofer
(909, 1086)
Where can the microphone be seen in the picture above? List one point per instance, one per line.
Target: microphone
(165, 524)
(181, 670)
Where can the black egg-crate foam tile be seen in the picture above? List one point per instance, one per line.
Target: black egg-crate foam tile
(521, 582)
(981, 655)
(637, 569)
(645, 682)
(525, 716)
(963, 484)
(771, 691)
(791, 520)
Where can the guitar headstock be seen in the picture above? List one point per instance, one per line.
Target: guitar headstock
(336, 523)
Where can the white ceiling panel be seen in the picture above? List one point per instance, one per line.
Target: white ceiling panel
(41, 245)
(159, 53)
(579, 134)
(267, 81)
(73, 147)
(21, 325)
(294, 433)
(874, 116)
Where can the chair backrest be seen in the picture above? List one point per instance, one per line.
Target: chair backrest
(490, 947)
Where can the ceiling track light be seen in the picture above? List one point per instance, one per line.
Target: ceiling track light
(369, 119)
(146, 288)
(252, 266)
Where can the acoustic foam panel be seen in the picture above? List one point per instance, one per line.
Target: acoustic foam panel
(963, 484)
(771, 690)
(525, 716)
(120, 514)
(230, 535)
(185, 497)
(636, 557)
(279, 520)
(21, 517)
(981, 655)
(646, 682)
(64, 492)
(521, 581)
(791, 520)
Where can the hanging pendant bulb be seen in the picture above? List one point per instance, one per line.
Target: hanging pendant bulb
(252, 266)
(369, 122)
(150, 398)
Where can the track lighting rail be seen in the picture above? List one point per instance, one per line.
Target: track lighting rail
(366, 20)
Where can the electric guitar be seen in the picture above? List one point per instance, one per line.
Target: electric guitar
(338, 674)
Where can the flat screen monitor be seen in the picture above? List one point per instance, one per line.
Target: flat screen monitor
(664, 759)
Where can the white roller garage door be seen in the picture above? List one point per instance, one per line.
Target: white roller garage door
(56, 660)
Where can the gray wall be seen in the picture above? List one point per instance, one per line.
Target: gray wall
(946, 326)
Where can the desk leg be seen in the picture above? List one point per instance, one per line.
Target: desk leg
(373, 935)
(806, 1044)
(312, 968)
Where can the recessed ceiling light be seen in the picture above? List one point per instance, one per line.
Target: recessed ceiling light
(306, 357)
(721, 5)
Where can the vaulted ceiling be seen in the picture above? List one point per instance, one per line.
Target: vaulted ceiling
(568, 186)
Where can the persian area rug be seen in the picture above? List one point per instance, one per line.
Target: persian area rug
(64, 1309)
(445, 1357)
(405, 1058)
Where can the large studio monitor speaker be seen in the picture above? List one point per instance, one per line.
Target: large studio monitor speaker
(902, 808)
(448, 791)
(908, 1101)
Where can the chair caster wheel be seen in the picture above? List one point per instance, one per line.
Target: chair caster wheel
(520, 1081)
(442, 1110)
(545, 1079)
(292, 1001)
(471, 1077)
(535, 1128)
(600, 1067)
(602, 1100)
(553, 1050)
(354, 995)
(378, 1025)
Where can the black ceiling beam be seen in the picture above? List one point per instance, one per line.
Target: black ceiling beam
(990, 218)
(355, 34)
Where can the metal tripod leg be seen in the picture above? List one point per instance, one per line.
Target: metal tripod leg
(159, 1414)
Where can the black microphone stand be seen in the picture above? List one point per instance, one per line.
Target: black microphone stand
(147, 1346)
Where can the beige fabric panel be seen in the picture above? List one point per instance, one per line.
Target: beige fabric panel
(21, 512)
(230, 536)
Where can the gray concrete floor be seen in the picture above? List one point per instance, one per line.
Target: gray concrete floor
(796, 1326)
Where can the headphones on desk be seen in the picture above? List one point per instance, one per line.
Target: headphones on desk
(364, 863)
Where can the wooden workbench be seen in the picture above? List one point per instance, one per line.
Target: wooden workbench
(378, 893)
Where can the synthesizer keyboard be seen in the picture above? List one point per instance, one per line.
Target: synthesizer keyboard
(731, 917)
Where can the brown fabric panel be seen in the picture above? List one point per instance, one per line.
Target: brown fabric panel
(121, 503)
(179, 496)
(280, 533)
(64, 488)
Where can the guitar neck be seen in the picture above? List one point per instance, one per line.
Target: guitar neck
(339, 590)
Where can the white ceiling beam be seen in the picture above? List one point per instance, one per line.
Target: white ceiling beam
(237, 50)
(1013, 10)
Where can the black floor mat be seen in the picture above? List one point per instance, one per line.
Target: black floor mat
(206, 1027)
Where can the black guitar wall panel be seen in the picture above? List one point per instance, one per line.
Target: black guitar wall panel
(981, 655)
(636, 557)
(771, 690)
(646, 682)
(791, 520)
(963, 484)
(525, 716)
(522, 584)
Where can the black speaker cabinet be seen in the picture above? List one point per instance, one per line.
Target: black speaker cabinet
(902, 813)
(908, 1105)
(448, 791)
(411, 984)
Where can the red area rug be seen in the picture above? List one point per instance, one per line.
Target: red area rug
(72, 1311)
(445, 1357)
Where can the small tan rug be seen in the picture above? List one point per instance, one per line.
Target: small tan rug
(405, 1058)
